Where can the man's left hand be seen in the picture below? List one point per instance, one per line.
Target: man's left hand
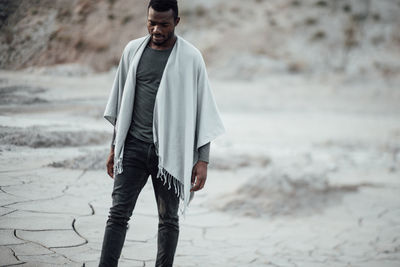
(199, 175)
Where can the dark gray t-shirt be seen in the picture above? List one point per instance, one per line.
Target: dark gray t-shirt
(148, 76)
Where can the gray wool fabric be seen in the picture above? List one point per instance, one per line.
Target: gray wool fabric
(148, 77)
(185, 117)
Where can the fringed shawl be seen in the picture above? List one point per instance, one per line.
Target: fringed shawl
(185, 115)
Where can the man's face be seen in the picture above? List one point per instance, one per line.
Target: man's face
(161, 26)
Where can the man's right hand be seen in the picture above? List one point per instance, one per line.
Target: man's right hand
(110, 163)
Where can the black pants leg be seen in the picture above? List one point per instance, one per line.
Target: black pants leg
(168, 222)
(140, 160)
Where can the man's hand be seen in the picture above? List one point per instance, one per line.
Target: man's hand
(110, 163)
(199, 175)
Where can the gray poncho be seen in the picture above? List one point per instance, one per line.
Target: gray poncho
(185, 113)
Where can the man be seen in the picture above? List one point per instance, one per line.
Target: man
(165, 117)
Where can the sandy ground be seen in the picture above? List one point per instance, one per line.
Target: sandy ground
(307, 175)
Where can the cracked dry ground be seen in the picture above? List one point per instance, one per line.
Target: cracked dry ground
(314, 198)
(52, 216)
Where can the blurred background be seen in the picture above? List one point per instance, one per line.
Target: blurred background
(242, 40)
(306, 175)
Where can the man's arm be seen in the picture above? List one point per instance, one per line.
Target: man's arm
(113, 140)
(110, 159)
(199, 172)
(204, 152)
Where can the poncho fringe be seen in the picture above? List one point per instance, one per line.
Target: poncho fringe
(165, 176)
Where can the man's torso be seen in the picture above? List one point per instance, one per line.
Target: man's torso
(148, 76)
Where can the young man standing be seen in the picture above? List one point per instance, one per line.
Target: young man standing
(164, 118)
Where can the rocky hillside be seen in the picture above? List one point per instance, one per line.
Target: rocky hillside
(47, 32)
(243, 39)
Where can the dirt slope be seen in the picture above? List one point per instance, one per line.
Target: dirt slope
(239, 39)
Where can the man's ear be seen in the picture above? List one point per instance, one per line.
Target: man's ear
(177, 20)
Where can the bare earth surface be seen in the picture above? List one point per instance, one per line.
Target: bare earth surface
(307, 175)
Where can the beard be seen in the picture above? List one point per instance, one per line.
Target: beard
(162, 40)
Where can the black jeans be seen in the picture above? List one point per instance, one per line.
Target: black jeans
(140, 161)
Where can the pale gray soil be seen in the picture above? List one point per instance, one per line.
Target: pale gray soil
(306, 175)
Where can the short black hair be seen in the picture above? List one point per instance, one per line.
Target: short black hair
(164, 5)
